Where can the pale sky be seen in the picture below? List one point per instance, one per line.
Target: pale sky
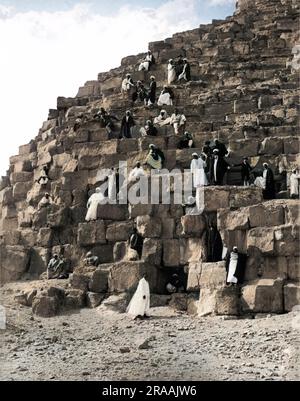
(48, 48)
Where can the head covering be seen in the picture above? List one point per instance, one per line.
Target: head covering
(195, 154)
(128, 75)
(170, 60)
(191, 200)
(152, 77)
(152, 146)
(265, 165)
(89, 254)
(98, 190)
(235, 248)
(55, 255)
(216, 151)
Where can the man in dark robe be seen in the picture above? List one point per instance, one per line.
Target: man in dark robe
(269, 192)
(179, 66)
(186, 142)
(186, 71)
(151, 97)
(219, 167)
(175, 284)
(136, 242)
(220, 147)
(207, 151)
(126, 126)
(106, 120)
(235, 267)
(214, 244)
(150, 129)
(245, 171)
(141, 92)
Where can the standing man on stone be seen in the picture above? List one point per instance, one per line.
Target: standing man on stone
(221, 148)
(245, 171)
(127, 125)
(219, 167)
(139, 306)
(235, 267)
(151, 98)
(186, 73)
(127, 85)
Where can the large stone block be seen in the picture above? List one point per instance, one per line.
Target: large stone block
(244, 147)
(45, 306)
(291, 293)
(194, 274)
(292, 213)
(112, 212)
(59, 219)
(271, 146)
(263, 296)
(152, 251)
(191, 250)
(171, 252)
(266, 215)
(140, 210)
(149, 227)
(119, 231)
(293, 267)
(244, 196)
(227, 301)
(91, 233)
(213, 275)
(214, 198)
(207, 302)
(75, 299)
(287, 240)
(193, 225)
(13, 262)
(125, 276)
(22, 176)
(232, 220)
(263, 239)
(98, 282)
(291, 145)
(168, 228)
(20, 190)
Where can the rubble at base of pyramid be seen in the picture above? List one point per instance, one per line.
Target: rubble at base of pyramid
(243, 91)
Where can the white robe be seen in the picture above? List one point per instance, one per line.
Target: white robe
(171, 73)
(92, 205)
(126, 85)
(232, 268)
(140, 302)
(177, 120)
(260, 182)
(165, 100)
(294, 184)
(112, 189)
(144, 66)
(161, 121)
(199, 176)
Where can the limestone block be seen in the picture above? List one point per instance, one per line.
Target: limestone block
(91, 233)
(149, 227)
(266, 215)
(293, 267)
(271, 146)
(11, 237)
(171, 253)
(215, 198)
(191, 250)
(194, 273)
(128, 145)
(119, 251)
(168, 228)
(13, 262)
(292, 213)
(23, 176)
(193, 225)
(291, 145)
(94, 299)
(45, 237)
(232, 220)
(244, 196)
(152, 251)
(179, 302)
(6, 196)
(119, 231)
(20, 190)
(140, 210)
(262, 238)
(112, 212)
(125, 276)
(263, 296)
(227, 301)
(39, 258)
(291, 293)
(59, 219)
(244, 147)
(26, 149)
(75, 299)
(207, 302)
(213, 275)
(23, 166)
(45, 306)
(287, 240)
(98, 282)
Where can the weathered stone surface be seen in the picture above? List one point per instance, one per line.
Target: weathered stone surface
(26, 298)
(119, 251)
(91, 233)
(244, 196)
(232, 220)
(119, 231)
(227, 301)
(194, 274)
(213, 275)
(149, 227)
(291, 293)
(263, 296)
(75, 299)
(98, 282)
(215, 198)
(45, 306)
(152, 251)
(179, 302)
(191, 250)
(171, 252)
(112, 212)
(140, 210)
(207, 302)
(13, 262)
(94, 299)
(193, 225)
(80, 281)
(263, 239)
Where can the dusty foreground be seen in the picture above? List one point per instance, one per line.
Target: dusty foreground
(97, 344)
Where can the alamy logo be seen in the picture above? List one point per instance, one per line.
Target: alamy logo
(2, 318)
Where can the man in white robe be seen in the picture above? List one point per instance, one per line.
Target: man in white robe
(197, 169)
(166, 97)
(294, 184)
(235, 267)
(45, 201)
(139, 305)
(147, 62)
(96, 199)
(136, 173)
(178, 120)
(127, 85)
(191, 207)
(163, 119)
(171, 72)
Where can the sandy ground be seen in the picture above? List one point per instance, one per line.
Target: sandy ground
(97, 344)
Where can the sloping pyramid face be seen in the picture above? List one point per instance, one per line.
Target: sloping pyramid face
(244, 91)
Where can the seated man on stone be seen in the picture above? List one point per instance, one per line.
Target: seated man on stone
(186, 141)
(126, 126)
(45, 201)
(294, 184)
(91, 260)
(166, 97)
(149, 129)
(235, 267)
(106, 120)
(163, 119)
(155, 158)
(44, 179)
(78, 123)
(147, 62)
(178, 120)
(175, 284)
(57, 268)
(141, 92)
(136, 173)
